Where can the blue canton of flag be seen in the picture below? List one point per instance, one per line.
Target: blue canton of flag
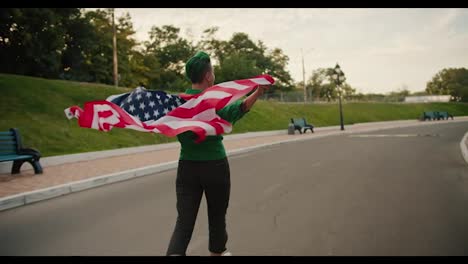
(147, 105)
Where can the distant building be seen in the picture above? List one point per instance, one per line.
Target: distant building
(427, 98)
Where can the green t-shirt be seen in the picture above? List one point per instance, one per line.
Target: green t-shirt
(212, 147)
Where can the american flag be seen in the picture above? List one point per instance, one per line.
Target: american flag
(159, 112)
(146, 105)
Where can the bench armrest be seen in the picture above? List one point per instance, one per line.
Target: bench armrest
(30, 151)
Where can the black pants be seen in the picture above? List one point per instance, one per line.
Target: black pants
(194, 178)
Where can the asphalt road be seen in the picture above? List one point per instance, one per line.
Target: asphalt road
(392, 192)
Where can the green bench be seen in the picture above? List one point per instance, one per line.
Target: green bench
(435, 115)
(427, 115)
(11, 149)
(300, 124)
(445, 115)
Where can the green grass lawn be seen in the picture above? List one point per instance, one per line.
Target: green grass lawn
(35, 106)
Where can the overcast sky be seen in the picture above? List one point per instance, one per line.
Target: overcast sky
(380, 50)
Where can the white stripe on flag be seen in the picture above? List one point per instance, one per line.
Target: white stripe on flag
(112, 97)
(135, 119)
(232, 85)
(175, 124)
(68, 113)
(206, 115)
(261, 81)
(226, 128)
(168, 118)
(208, 95)
(139, 128)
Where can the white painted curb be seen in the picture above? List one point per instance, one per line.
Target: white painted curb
(55, 191)
(463, 147)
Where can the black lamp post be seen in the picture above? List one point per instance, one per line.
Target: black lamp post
(339, 78)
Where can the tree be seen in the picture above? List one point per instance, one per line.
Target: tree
(348, 91)
(236, 66)
(212, 45)
(276, 64)
(80, 40)
(89, 52)
(254, 58)
(32, 39)
(97, 54)
(451, 81)
(74, 44)
(321, 86)
(317, 82)
(398, 95)
(145, 69)
(126, 45)
(171, 51)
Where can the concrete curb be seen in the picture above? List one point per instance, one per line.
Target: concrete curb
(5, 167)
(77, 186)
(463, 147)
(59, 190)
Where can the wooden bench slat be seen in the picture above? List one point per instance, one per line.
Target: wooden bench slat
(14, 157)
(6, 154)
(6, 133)
(7, 143)
(7, 147)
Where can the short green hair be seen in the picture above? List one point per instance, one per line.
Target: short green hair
(197, 66)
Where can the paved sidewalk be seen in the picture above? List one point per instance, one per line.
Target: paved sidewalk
(55, 175)
(86, 170)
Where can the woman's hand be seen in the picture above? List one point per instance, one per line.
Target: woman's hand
(250, 101)
(262, 88)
